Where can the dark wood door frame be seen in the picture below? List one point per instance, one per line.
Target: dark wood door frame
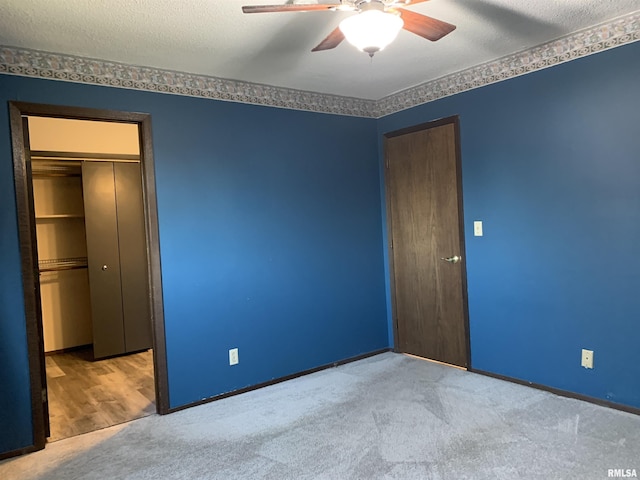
(416, 128)
(27, 235)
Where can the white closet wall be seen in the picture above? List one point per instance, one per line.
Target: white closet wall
(59, 213)
(62, 135)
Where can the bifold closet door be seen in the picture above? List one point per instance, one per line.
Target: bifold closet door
(103, 258)
(117, 257)
(133, 256)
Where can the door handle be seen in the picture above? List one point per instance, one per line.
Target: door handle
(104, 267)
(454, 259)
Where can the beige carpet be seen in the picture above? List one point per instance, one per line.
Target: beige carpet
(386, 417)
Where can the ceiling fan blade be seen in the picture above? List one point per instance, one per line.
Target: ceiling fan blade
(427, 27)
(332, 41)
(406, 3)
(311, 7)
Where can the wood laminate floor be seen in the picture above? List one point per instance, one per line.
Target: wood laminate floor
(87, 395)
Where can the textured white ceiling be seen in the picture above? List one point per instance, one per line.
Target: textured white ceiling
(214, 37)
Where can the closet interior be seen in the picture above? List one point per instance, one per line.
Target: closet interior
(62, 254)
(92, 261)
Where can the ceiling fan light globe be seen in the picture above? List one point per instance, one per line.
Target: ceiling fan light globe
(371, 30)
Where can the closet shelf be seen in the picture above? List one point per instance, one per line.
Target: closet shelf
(63, 215)
(59, 264)
(55, 174)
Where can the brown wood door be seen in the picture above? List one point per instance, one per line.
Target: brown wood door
(425, 213)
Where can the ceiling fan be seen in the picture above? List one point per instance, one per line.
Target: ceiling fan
(374, 27)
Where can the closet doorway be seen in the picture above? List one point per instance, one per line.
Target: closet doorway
(85, 194)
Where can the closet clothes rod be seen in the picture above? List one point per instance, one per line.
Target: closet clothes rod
(49, 168)
(60, 264)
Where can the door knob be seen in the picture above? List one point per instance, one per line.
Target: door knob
(454, 259)
(104, 267)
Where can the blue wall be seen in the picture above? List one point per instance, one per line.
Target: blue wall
(551, 165)
(15, 397)
(271, 232)
(270, 241)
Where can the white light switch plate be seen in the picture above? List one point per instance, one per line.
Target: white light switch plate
(477, 228)
(233, 356)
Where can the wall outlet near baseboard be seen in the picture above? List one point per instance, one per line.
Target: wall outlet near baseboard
(233, 357)
(587, 358)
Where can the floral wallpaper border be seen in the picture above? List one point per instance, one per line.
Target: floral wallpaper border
(580, 44)
(33, 63)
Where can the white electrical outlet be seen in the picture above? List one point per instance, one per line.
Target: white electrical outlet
(587, 358)
(233, 357)
(477, 228)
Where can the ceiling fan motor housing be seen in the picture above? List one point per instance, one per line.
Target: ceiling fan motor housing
(372, 28)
